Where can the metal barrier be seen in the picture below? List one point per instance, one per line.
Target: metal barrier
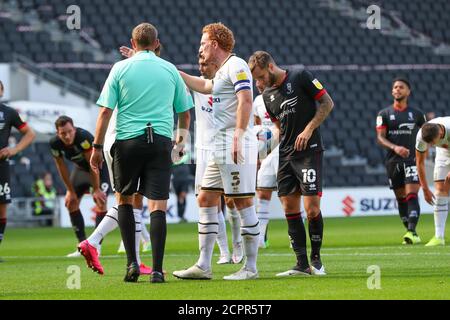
(21, 213)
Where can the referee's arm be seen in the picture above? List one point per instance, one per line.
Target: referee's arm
(100, 130)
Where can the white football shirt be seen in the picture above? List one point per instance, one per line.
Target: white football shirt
(444, 143)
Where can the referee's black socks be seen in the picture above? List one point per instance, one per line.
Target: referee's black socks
(315, 228)
(413, 211)
(77, 220)
(127, 230)
(297, 233)
(158, 233)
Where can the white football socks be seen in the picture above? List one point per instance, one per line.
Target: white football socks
(262, 211)
(208, 227)
(440, 216)
(222, 239)
(250, 233)
(108, 224)
(235, 222)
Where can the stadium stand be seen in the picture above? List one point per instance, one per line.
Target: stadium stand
(355, 64)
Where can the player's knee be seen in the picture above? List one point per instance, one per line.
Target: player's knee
(229, 202)
(312, 211)
(264, 195)
(242, 203)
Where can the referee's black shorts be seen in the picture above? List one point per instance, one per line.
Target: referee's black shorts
(143, 167)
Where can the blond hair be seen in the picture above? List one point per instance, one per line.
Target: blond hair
(260, 59)
(220, 33)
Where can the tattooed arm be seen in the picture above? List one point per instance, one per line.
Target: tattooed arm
(323, 110)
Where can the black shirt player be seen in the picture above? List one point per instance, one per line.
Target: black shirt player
(9, 118)
(75, 144)
(291, 100)
(397, 128)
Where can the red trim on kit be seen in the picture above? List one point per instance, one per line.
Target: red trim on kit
(3, 221)
(293, 216)
(410, 196)
(320, 94)
(381, 127)
(23, 125)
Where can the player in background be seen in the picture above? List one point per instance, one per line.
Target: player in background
(436, 133)
(204, 144)
(89, 248)
(232, 170)
(75, 144)
(397, 127)
(9, 118)
(267, 172)
(298, 104)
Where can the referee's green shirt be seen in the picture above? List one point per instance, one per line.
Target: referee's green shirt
(145, 88)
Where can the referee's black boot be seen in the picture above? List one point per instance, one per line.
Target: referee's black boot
(133, 273)
(157, 277)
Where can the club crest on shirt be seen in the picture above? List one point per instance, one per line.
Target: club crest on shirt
(392, 117)
(86, 145)
(379, 121)
(410, 116)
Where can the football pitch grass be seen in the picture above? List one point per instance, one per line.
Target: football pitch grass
(35, 266)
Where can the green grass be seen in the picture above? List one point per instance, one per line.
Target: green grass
(35, 266)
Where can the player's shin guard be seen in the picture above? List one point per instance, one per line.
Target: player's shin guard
(139, 227)
(262, 211)
(2, 228)
(222, 239)
(297, 235)
(127, 230)
(440, 216)
(208, 228)
(235, 222)
(77, 220)
(403, 210)
(250, 234)
(315, 228)
(413, 211)
(158, 234)
(108, 224)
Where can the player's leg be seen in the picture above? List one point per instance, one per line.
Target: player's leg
(3, 220)
(263, 198)
(315, 228)
(412, 187)
(208, 224)
(250, 232)
(235, 223)
(441, 169)
(397, 184)
(181, 201)
(138, 205)
(289, 193)
(5, 197)
(222, 238)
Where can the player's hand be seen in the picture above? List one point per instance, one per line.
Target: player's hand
(236, 149)
(429, 196)
(447, 179)
(70, 199)
(99, 197)
(126, 51)
(401, 151)
(302, 140)
(6, 153)
(178, 152)
(96, 160)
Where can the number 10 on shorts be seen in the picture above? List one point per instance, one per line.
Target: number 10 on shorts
(309, 175)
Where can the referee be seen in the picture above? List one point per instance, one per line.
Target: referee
(145, 89)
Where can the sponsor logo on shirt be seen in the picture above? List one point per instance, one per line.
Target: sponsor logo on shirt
(410, 126)
(289, 88)
(86, 145)
(289, 102)
(241, 75)
(392, 117)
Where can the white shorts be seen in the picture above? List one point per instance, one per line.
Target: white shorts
(109, 161)
(234, 180)
(201, 162)
(267, 174)
(441, 164)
